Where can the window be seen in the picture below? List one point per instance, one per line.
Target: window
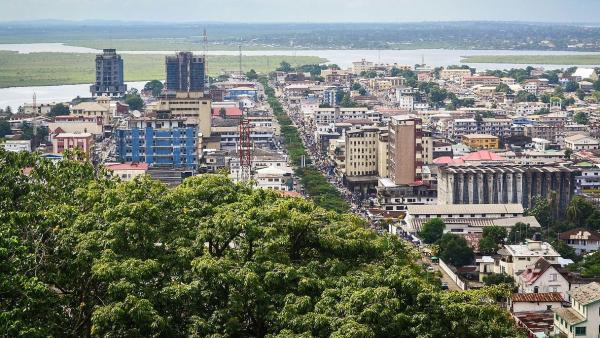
(580, 331)
(553, 277)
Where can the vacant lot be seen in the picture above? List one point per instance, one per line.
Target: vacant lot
(39, 69)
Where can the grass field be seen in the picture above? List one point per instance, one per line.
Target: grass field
(40, 69)
(585, 59)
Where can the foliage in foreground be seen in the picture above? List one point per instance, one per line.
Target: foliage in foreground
(81, 256)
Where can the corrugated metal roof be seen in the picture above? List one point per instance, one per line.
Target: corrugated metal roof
(465, 209)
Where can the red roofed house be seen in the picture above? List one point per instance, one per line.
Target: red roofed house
(230, 112)
(524, 302)
(581, 239)
(127, 171)
(541, 277)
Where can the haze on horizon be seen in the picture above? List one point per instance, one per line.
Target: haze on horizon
(322, 11)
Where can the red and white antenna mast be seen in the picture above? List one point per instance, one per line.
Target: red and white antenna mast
(245, 150)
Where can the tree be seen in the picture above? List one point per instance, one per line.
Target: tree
(347, 102)
(579, 210)
(356, 86)
(252, 75)
(498, 278)
(580, 94)
(59, 109)
(519, 232)
(589, 267)
(285, 67)
(83, 254)
(134, 100)
(542, 211)
(362, 91)
(432, 230)
(568, 153)
(565, 250)
(4, 128)
(455, 250)
(155, 87)
(581, 118)
(571, 86)
(492, 237)
(523, 96)
(503, 88)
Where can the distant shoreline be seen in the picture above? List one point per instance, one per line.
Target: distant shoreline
(587, 59)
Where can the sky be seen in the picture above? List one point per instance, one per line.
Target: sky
(303, 10)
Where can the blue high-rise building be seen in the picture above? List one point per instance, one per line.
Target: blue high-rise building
(159, 141)
(185, 72)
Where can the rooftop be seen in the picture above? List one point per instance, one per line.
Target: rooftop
(580, 233)
(569, 315)
(465, 209)
(531, 250)
(537, 297)
(587, 294)
(127, 166)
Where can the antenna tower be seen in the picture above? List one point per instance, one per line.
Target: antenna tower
(240, 46)
(205, 40)
(35, 112)
(245, 150)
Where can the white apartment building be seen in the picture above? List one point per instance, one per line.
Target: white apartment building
(361, 152)
(582, 319)
(17, 145)
(515, 258)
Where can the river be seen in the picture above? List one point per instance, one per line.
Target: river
(436, 57)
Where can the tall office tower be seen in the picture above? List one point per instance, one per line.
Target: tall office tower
(109, 74)
(185, 72)
(405, 149)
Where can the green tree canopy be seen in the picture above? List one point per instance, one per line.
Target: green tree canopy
(58, 110)
(581, 118)
(4, 128)
(155, 87)
(455, 250)
(134, 100)
(432, 230)
(82, 254)
(498, 278)
(285, 67)
(252, 75)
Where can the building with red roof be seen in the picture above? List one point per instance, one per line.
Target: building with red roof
(230, 112)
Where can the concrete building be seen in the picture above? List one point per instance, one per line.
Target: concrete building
(99, 108)
(405, 149)
(193, 106)
(361, 158)
(273, 178)
(77, 124)
(163, 140)
(72, 141)
(109, 75)
(382, 154)
(17, 145)
(185, 72)
(455, 75)
(361, 66)
(581, 239)
(582, 319)
(471, 81)
(127, 171)
(581, 142)
(481, 141)
(505, 183)
(516, 257)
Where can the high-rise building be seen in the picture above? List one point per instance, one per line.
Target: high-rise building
(405, 149)
(185, 72)
(109, 74)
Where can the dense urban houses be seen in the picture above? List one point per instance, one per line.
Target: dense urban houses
(109, 74)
